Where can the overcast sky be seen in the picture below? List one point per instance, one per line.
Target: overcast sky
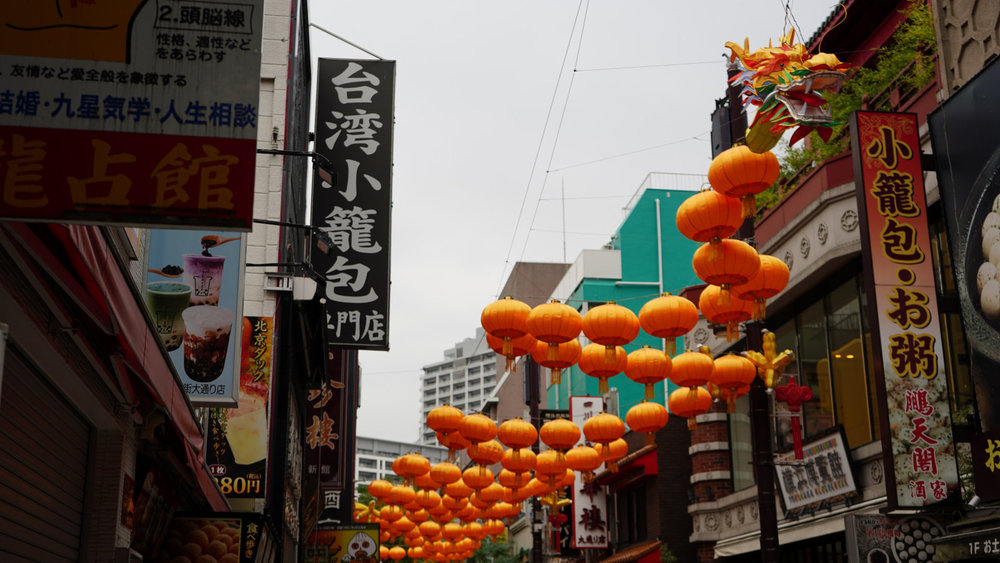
(513, 115)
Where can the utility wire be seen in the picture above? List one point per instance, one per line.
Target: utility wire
(645, 66)
(355, 45)
(678, 141)
(538, 150)
(562, 116)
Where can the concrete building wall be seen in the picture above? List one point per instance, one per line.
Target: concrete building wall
(373, 457)
(464, 379)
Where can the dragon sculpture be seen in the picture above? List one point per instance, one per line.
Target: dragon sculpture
(786, 84)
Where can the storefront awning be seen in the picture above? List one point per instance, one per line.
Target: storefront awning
(631, 468)
(101, 290)
(636, 552)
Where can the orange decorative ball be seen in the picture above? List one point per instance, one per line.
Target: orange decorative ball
(741, 173)
(603, 428)
(709, 215)
(445, 418)
(554, 323)
(691, 369)
(689, 402)
(559, 434)
(731, 262)
(646, 418)
(724, 309)
(595, 362)
(611, 325)
(771, 278)
(557, 357)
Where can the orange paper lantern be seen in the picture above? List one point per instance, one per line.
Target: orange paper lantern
(445, 418)
(560, 434)
(612, 452)
(603, 428)
(646, 418)
(691, 369)
(668, 316)
(741, 173)
(565, 355)
(731, 262)
(554, 323)
(729, 312)
(511, 348)
(732, 375)
(771, 278)
(709, 216)
(506, 319)
(518, 460)
(689, 402)
(611, 325)
(648, 366)
(595, 362)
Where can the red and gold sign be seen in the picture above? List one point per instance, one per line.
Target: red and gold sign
(906, 331)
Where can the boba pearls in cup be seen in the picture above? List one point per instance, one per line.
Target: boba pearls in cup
(206, 341)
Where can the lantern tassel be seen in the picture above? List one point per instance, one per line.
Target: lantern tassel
(715, 248)
(556, 376)
(602, 387)
(508, 346)
(758, 309)
(510, 363)
(613, 466)
(692, 423)
(650, 392)
(749, 205)
(670, 346)
(610, 354)
(650, 439)
(731, 402)
(516, 456)
(553, 355)
(732, 329)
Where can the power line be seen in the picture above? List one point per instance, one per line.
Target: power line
(660, 146)
(635, 67)
(538, 150)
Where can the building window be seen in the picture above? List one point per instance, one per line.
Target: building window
(429, 393)
(367, 462)
(430, 381)
(473, 382)
(631, 515)
(367, 476)
(458, 386)
(473, 393)
(474, 369)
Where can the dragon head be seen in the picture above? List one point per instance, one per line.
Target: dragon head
(786, 84)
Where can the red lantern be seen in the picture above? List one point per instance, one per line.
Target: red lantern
(380, 489)
(648, 366)
(733, 375)
(722, 311)
(647, 418)
(506, 319)
(453, 441)
(550, 467)
(611, 325)
(691, 369)
(741, 173)
(566, 354)
(769, 281)
(410, 465)
(515, 347)
(425, 481)
(554, 323)
(795, 396)
(689, 402)
(732, 263)
(709, 216)
(594, 362)
(513, 480)
(668, 316)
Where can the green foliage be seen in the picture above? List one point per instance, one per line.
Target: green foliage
(905, 62)
(667, 556)
(362, 495)
(495, 552)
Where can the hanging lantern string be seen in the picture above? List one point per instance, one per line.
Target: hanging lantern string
(582, 301)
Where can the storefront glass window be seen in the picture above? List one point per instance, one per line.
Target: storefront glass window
(815, 369)
(850, 385)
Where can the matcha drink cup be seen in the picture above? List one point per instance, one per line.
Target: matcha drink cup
(166, 301)
(204, 275)
(206, 341)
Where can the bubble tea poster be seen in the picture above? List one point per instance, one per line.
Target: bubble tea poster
(194, 294)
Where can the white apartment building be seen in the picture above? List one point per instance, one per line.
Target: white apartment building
(463, 379)
(373, 457)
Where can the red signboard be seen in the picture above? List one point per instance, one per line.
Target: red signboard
(906, 333)
(130, 112)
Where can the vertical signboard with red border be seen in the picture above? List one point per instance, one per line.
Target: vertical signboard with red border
(329, 438)
(238, 438)
(354, 120)
(917, 441)
(135, 112)
(590, 502)
(194, 295)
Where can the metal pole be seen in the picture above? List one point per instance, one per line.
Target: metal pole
(531, 373)
(763, 459)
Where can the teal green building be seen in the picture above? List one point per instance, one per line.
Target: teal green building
(646, 256)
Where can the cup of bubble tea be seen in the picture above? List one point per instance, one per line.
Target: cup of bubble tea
(206, 341)
(166, 301)
(204, 275)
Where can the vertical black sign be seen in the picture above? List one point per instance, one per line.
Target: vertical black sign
(354, 120)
